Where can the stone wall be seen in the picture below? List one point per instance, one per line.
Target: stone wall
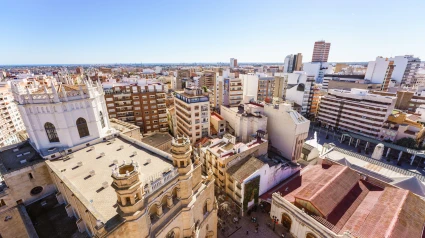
(14, 226)
(20, 183)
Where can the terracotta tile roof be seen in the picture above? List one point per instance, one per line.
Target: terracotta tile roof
(329, 189)
(244, 168)
(355, 205)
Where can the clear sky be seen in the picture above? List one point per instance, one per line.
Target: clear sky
(174, 31)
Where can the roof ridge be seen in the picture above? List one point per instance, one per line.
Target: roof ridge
(329, 182)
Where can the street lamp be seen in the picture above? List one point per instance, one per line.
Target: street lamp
(275, 220)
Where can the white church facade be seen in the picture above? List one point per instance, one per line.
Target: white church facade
(63, 116)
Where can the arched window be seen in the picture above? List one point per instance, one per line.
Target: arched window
(51, 132)
(310, 235)
(83, 130)
(102, 120)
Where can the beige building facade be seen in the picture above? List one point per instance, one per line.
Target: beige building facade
(192, 110)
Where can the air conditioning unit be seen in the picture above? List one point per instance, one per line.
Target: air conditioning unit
(148, 161)
(91, 147)
(115, 161)
(80, 164)
(92, 173)
(102, 154)
(105, 184)
(134, 153)
(121, 147)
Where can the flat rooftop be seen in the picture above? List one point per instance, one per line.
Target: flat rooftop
(17, 157)
(90, 187)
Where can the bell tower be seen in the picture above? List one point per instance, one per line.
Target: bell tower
(127, 185)
(181, 150)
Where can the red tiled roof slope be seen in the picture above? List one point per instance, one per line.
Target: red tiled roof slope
(328, 190)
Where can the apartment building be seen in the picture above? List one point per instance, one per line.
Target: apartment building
(232, 91)
(265, 89)
(414, 73)
(401, 125)
(403, 70)
(244, 121)
(233, 63)
(207, 79)
(347, 82)
(10, 119)
(220, 154)
(321, 51)
(357, 111)
(182, 76)
(192, 108)
(314, 99)
(302, 90)
(143, 106)
(218, 124)
(293, 63)
(318, 70)
(406, 100)
(287, 130)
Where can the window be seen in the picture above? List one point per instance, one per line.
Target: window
(83, 130)
(2, 203)
(205, 210)
(30, 176)
(102, 120)
(36, 190)
(51, 132)
(135, 97)
(136, 103)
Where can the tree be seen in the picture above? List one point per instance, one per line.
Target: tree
(407, 142)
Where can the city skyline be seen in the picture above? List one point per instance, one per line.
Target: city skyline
(186, 32)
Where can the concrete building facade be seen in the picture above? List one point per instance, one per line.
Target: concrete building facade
(192, 108)
(10, 119)
(357, 111)
(143, 106)
(287, 140)
(244, 122)
(293, 63)
(321, 51)
(232, 91)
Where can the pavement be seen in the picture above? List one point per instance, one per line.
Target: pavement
(264, 230)
(244, 227)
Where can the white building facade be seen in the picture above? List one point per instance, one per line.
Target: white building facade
(287, 130)
(10, 119)
(63, 116)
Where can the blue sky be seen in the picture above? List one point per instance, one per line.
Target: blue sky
(81, 31)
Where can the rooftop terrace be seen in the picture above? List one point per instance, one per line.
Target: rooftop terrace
(18, 156)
